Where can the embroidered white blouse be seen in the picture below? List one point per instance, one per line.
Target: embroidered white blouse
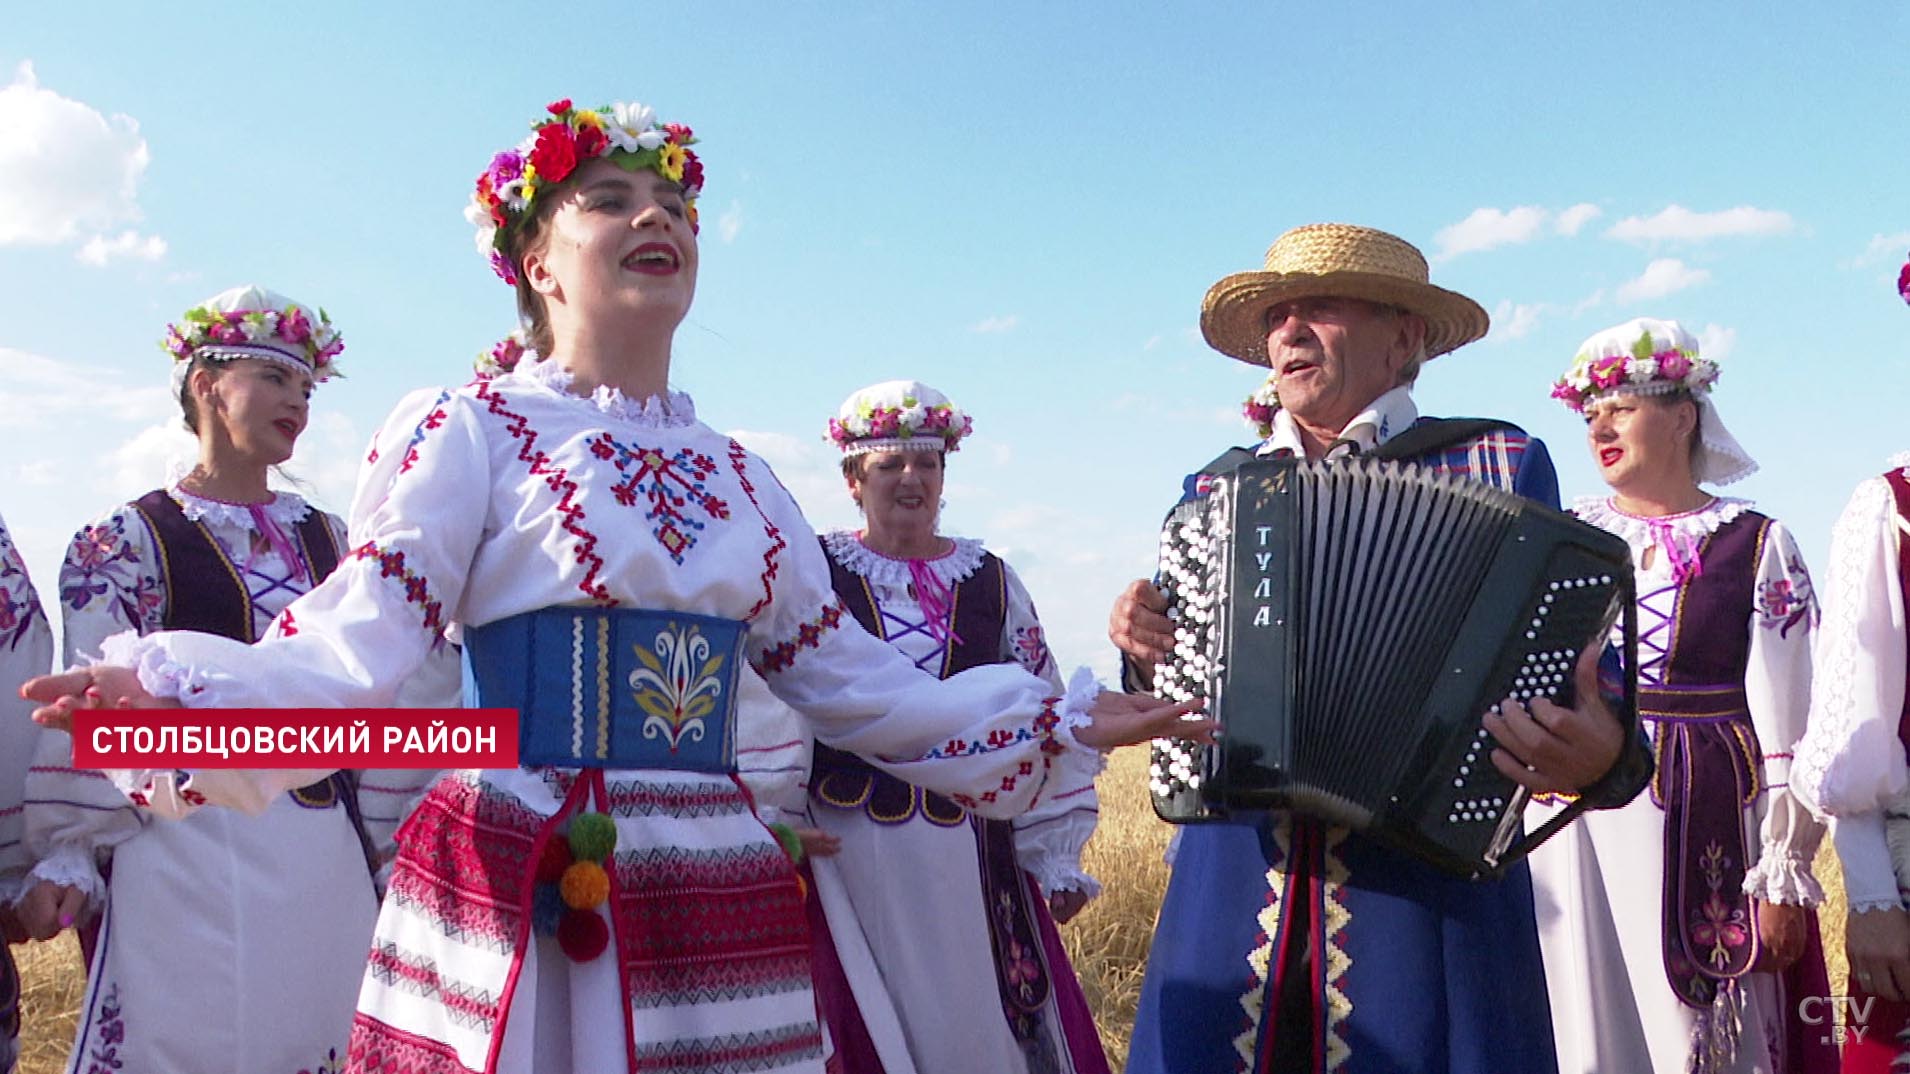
(1850, 765)
(1048, 838)
(26, 650)
(1777, 674)
(513, 494)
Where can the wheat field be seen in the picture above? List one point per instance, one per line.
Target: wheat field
(1108, 941)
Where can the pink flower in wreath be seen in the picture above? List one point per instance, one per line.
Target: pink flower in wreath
(293, 327)
(1673, 365)
(885, 422)
(1609, 371)
(1903, 282)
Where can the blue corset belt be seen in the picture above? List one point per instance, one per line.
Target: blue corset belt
(612, 687)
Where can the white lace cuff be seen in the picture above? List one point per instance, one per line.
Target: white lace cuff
(1870, 880)
(1054, 876)
(1077, 707)
(159, 675)
(1781, 878)
(72, 865)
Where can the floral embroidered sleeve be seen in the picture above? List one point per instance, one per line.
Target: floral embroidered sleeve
(1049, 837)
(355, 639)
(1777, 685)
(110, 583)
(992, 738)
(1850, 764)
(26, 650)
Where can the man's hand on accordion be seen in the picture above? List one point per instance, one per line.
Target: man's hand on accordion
(1140, 628)
(1548, 747)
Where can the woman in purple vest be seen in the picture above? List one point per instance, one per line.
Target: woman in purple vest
(224, 942)
(958, 912)
(1675, 930)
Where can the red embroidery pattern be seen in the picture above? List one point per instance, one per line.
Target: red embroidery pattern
(558, 478)
(433, 420)
(377, 1048)
(418, 975)
(670, 483)
(771, 556)
(391, 564)
(287, 627)
(1043, 728)
(782, 655)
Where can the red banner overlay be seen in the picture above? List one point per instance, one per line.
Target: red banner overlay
(295, 738)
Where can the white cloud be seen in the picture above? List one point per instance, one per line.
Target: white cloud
(1664, 276)
(997, 324)
(1591, 301)
(127, 244)
(1571, 220)
(1885, 248)
(730, 224)
(1511, 320)
(40, 393)
(1676, 223)
(1716, 342)
(812, 472)
(71, 172)
(1487, 228)
(147, 459)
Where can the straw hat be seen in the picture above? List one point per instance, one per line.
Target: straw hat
(1335, 260)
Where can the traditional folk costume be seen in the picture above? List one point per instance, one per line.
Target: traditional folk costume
(1286, 944)
(1853, 765)
(226, 942)
(954, 908)
(1657, 975)
(615, 904)
(26, 650)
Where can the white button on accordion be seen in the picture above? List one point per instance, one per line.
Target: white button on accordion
(1350, 623)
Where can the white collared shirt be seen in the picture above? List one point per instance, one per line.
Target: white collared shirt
(1387, 417)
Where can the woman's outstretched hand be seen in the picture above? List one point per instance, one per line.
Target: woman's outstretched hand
(1126, 719)
(99, 687)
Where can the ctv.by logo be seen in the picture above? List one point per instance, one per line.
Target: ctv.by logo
(1845, 1018)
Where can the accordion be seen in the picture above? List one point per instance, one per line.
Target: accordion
(1350, 623)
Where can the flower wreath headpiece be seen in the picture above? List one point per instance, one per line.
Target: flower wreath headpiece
(627, 134)
(1644, 356)
(1652, 357)
(898, 415)
(504, 356)
(252, 322)
(1262, 405)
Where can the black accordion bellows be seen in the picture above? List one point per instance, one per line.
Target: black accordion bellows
(1350, 623)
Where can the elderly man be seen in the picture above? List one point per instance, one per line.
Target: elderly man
(1285, 944)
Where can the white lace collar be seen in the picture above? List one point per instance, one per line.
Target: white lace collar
(285, 508)
(949, 568)
(1690, 526)
(672, 410)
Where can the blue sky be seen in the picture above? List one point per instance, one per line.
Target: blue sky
(1020, 204)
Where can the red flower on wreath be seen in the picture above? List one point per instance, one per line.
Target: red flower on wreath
(1903, 282)
(555, 155)
(679, 133)
(591, 141)
(559, 107)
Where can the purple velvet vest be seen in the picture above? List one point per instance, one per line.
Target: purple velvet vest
(1708, 765)
(845, 781)
(203, 590)
(204, 593)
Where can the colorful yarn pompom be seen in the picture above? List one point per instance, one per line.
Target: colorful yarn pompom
(583, 934)
(585, 885)
(592, 836)
(791, 842)
(554, 859)
(547, 909)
